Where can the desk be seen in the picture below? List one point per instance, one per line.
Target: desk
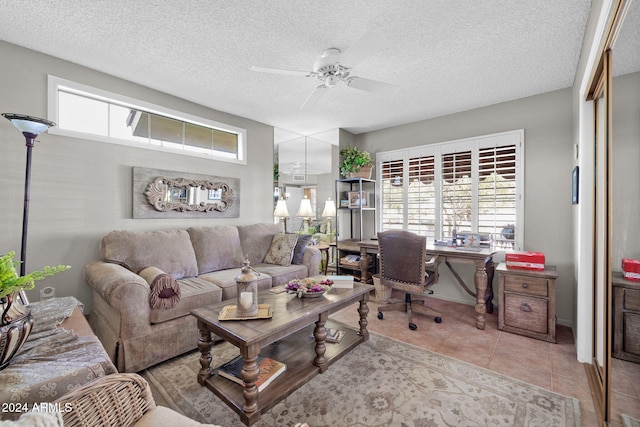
(483, 278)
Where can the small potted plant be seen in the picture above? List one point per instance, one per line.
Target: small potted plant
(355, 163)
(16, 322)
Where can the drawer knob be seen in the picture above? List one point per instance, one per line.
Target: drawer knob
(524, 285)
(525, 307)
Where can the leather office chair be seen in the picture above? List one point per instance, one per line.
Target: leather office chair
(404, 266)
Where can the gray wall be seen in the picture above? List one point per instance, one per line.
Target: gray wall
(547, 121)
(81, 189)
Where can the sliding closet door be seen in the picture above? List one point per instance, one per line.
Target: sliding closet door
(599, 371)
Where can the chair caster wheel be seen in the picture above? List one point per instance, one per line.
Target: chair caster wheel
(438, 319)
(380, 315)
(413, 326)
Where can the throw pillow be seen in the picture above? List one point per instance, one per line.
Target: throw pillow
(281, 250)
(301, 244)
(165, 291)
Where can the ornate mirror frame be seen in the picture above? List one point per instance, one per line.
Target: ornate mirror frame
(169, 194)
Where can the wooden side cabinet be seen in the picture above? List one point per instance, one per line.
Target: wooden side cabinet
(626, 318)
(527, 302)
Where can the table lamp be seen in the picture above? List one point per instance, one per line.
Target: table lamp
(329, 212)
(281, 211)
(306, 213)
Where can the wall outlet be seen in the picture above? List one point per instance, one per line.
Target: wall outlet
(47, 293)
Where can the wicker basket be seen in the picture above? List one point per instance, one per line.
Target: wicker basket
(383, 293)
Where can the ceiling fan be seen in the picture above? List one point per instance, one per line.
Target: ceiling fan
(334, 67)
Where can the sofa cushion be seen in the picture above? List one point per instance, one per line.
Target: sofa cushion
(216, 248)
(195, 293)
(226, 280)
(165, 291)
(171, 251)
(301, 244)
(281, 249)
(280, 274)
(255, 240)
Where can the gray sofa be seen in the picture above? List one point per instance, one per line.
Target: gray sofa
(201, 261)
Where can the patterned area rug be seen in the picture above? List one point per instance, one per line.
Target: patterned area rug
(382, 382)
(628, 421)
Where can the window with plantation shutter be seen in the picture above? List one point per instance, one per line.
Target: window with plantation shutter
(472, 186)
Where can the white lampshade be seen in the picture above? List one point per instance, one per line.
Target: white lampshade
(281, 209)
(305, 210)
(29, 124)
(329, 209)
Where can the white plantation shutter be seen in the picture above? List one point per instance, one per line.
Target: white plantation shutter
(472, 185)
(456, 200)
(497, 192)
(392, 195)
(421, 206)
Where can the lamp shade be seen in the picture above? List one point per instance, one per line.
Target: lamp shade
(28, 124)
(329, 209)
(281, 209)
(305, 210)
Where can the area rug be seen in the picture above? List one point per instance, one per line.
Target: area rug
(382, 382)
(628, 421)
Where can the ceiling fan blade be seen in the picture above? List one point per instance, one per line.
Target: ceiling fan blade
(368, 44)
(372, 85)
(281, 71)
(314, 97)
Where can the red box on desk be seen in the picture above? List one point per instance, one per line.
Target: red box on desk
(631, 269)
(525, 260)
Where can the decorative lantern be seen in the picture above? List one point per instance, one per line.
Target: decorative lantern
(247, 287)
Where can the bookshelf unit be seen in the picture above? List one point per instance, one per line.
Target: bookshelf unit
(356, 199)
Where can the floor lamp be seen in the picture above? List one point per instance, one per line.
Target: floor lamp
(30, 127)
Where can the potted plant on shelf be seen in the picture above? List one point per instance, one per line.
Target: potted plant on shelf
(355, 163)
(16, 321)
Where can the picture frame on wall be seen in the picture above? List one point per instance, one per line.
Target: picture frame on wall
(575, 185)
(356, 202)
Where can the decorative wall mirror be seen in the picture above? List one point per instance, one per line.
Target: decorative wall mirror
(169, 194)
(307, 166)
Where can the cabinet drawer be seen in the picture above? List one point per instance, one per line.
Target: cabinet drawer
(632, 299)
(526, 285)
(525, 312)
(632, 333)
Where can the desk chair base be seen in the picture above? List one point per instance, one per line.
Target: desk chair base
(409, 306)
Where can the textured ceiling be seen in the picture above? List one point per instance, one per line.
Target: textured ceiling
(445, 56)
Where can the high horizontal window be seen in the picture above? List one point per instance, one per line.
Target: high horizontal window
(472, 186)
(90, 113)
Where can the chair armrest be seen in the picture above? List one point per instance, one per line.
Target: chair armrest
(111, 400)
(432, 262)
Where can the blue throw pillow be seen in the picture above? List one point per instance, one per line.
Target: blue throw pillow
(298, 251)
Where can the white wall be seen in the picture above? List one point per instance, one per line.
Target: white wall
(82, 189)
(547, 121)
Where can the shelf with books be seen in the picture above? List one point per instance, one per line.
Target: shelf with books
(269, 368)
(297, 351)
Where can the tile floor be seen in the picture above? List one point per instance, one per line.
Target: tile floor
(552, 366)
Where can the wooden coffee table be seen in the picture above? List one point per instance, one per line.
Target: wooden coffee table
(286, 337)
